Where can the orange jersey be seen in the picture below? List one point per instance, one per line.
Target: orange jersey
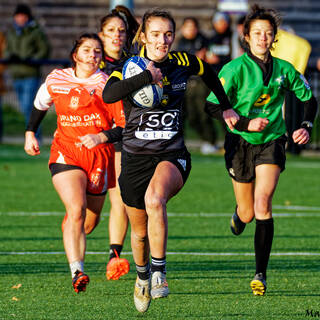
(79, 105)
(80, 110)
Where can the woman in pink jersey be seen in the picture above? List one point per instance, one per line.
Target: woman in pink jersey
(82, 154)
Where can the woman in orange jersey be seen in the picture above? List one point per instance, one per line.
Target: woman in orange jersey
(82, 155)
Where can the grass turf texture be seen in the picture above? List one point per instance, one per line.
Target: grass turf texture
(202, 286)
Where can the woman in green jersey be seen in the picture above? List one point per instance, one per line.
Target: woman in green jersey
(255, 150)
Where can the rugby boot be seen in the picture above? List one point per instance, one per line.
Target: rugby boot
(258, 285)
(80, 281)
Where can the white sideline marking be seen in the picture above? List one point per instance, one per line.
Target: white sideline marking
(169, 253)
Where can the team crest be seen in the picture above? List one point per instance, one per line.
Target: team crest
(165, 100)
(74, 102)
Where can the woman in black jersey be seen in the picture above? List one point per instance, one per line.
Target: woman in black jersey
(155, 161)
(118, 29)
(117, 32)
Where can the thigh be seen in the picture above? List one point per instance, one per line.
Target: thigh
(166, 181)
(244, 194)
(71, 186)
(267, 177)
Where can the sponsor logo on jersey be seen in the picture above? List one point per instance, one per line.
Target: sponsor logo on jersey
(60, 90)
(165, 100)
(262, 100)
(155, 125)
(165, 81)
(179, 86)
(306, 83)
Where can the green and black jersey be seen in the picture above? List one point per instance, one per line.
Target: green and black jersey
(242, 80)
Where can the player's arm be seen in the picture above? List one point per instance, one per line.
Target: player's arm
(42, 103)
(303, 134)
(107, 136)
(115, 134)
(213, 83)
(243, 124)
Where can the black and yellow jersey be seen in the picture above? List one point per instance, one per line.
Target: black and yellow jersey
(160, 129)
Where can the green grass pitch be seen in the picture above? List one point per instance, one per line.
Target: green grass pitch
(209, 269)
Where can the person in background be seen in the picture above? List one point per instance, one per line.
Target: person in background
(241, 45)
(2, 86)
(155, 163)
(255, 156)
(26, 44)
(194, 42)
(219, 44)
(82, 155)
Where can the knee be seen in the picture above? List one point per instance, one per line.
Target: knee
(139, 236)
(246, 213)
(154, 203)
(262, 205)
(76, 214)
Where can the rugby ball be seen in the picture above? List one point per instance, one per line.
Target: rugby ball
(148, 96)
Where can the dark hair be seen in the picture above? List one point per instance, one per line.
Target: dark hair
(158, 13)
(78, 42)
(129, 20)
(193, 19)
(23, 9)
(260, 13)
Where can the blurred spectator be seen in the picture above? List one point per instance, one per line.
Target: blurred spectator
(26, 44)
(241, 46)
(192, 41)
(219, 45)
(2, 88)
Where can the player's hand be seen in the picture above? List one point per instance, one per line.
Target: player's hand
(155, 72)
(257, 124)
(230, 117)
(92, 140)
(301, 136)
(31, 144)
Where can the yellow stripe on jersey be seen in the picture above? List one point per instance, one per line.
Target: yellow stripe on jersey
(170, 56)
(179, 62)
(116, 74)
(200, 73)
(181, 58)
(186, 58)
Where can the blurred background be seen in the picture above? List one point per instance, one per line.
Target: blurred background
(63, 20)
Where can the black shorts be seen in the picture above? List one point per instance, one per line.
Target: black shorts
(137, 171)
(242, 157)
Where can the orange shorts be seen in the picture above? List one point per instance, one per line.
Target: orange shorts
(97, 163)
